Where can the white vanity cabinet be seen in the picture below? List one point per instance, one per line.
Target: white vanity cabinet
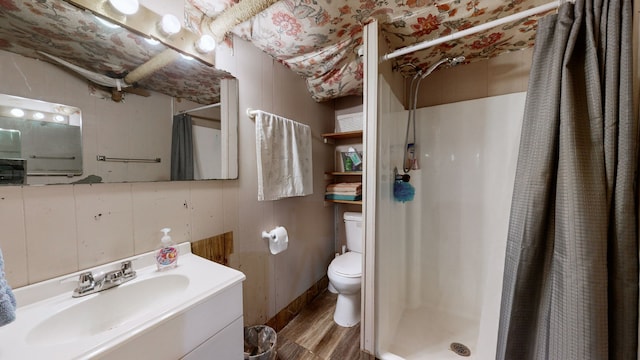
(193, 312)
(212, 329)
(224, 345)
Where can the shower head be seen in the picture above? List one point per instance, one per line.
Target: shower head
(452, 62)
(433, 67)
(457, 60)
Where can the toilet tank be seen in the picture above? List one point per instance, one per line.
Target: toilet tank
(353, 229)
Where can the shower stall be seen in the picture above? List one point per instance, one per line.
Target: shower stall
(439, 258)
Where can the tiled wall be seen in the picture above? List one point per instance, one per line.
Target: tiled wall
(468, 156)
(57, 229)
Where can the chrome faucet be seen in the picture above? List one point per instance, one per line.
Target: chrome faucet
(87, 284)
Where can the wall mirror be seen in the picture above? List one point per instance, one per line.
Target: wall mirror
(127, 86)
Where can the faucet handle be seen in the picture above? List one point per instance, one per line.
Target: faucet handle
(113, 276)
(86, 283)
(127, 269)
(86, 280)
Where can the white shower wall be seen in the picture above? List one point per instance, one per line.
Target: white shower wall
(454, 232)
(390, 231)
(468, 158)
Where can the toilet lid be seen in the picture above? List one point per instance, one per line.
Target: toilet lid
(348, 264)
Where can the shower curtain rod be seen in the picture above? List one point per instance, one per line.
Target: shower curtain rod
(198, 108)
(470, 31)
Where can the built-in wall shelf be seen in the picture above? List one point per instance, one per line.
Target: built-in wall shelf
(330, 137)
(344, 173)
(359, 202)
(346, 176)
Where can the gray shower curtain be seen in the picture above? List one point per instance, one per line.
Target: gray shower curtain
(182, 148)
(570, 287)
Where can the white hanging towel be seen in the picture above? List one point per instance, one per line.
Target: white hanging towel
(283, 152)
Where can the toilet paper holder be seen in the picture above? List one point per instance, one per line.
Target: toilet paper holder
(278, 239)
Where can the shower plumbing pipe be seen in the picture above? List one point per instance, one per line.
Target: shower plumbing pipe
(470, 31)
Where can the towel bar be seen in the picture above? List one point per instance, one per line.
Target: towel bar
(104, 158)
(52, 157)
(251, 113)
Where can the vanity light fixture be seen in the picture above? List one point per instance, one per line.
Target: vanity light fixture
(17, 112)
(205, 44)
(125, 7)
(58, 118)
(38, 116)
(169, 25)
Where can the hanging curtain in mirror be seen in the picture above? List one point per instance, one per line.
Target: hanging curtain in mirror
(182, 148)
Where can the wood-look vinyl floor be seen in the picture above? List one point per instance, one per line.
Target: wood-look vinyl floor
(313, 335)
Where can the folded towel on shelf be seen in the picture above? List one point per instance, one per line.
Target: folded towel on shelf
(342, 197)
(344, 191)
(7, 300)
(347, 192)
(346, 185)
(353, 186)
(283, 150)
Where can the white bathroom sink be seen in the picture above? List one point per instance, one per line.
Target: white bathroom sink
(106, 310)
(198, 296)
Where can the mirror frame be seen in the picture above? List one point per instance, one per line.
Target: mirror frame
(230, 113)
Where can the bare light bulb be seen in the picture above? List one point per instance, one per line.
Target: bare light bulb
(205, 44)
(17, 112)
(125, 7)
(169, 25)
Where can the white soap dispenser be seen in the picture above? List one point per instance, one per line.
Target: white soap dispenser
(167, 255)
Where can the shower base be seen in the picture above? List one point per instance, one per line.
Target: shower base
(427, 333)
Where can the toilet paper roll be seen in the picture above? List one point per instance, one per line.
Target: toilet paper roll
(278, 240)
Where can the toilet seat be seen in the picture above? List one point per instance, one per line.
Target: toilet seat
(347, 265)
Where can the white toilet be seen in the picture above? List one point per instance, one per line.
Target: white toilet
(345, 273)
